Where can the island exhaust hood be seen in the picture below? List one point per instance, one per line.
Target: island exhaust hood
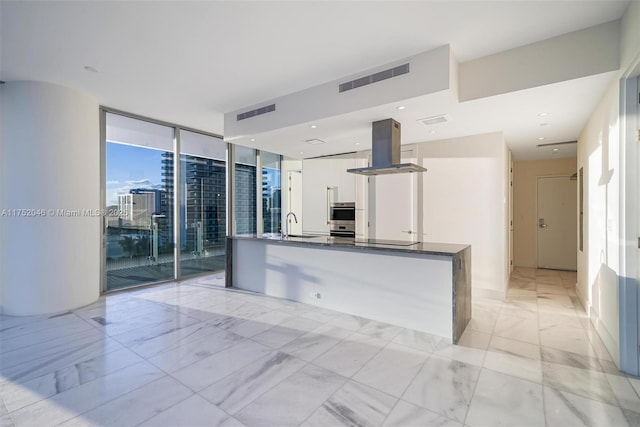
(385, 151)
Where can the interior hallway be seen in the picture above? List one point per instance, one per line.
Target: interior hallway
(198, 354)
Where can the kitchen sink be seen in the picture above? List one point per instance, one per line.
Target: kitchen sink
(303, 236)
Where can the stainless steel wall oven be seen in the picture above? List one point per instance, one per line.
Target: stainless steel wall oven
(342, 219)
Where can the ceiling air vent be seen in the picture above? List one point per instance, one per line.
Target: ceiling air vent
(549, 144)
(256, 112)
(442, 118)
(315, 141)
(374, 78)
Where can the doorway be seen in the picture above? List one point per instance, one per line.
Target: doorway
(557, 224)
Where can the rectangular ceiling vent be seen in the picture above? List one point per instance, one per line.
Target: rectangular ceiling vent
(549, 144)
(256, 112)
(374, 78)
(442, 118)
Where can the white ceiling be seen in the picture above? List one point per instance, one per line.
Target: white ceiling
(190, 62)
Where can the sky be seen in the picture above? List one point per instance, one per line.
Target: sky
(130, 167)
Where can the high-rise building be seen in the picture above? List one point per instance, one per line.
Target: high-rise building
(203, 200)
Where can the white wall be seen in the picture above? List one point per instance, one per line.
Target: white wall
(465, 200)
(50, 159)
(586, 52)
(601, 154)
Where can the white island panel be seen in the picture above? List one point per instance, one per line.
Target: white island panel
(412, 291)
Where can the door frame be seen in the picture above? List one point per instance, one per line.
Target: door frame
(629, 214)
(535, 225)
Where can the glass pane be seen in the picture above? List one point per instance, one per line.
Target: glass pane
(203, 204)
(270, 192)
(139, 200)
(245, 190)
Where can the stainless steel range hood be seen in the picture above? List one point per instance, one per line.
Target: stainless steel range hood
(385, 151)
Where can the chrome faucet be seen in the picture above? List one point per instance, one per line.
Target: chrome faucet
(286, 224)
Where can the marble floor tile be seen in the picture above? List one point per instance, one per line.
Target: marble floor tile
(590, 384)
(633, 418)
(474, 339)
(349, 322)
(69, 404)
(293, 400)
(517, 328)
(405, 414)
(444, 386)
(597, 344)
(40, 350)
(313, 344)
(194, 411)
(624, 392)
(483, 318)
(60, 327)
(192, 351)
(561, 357)
(236, 391)
(522, 283)
(516, 366)
(568, 339)
(16, 395)
(567, 409)
(150, 341)
(548, 320)
(472, 356)
(58, 358)
(383, 331)
(514, 347)
(136, 406)
(320, 315)
(349, 355)
(287, 331)
(418, 340)
(259, 324)
(211, 369)
(501, 399)
(553, 289)
(353, 405)
(635, 383)
(549, 280)
(392, 369)
(521, 306)
(145, 321)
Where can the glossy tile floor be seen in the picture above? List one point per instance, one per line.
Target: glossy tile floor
(196, 354)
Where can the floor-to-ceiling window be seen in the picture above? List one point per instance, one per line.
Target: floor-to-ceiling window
(166, 213)
(271, 207)
(202, 206)
(245, 190)
(139, 237)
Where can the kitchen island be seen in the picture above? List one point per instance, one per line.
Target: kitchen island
(421, 286)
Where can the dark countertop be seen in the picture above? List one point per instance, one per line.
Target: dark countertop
(418, 248)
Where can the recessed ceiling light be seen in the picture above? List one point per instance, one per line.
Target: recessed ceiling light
(555, 150)
(91, 69)
(543, 114)
(541, 138)
(253, 139)
(401, 107)
(357, 143)
(432, 131)
(302, 152)
(313, 126)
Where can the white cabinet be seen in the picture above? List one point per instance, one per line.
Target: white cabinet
(325, 181)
